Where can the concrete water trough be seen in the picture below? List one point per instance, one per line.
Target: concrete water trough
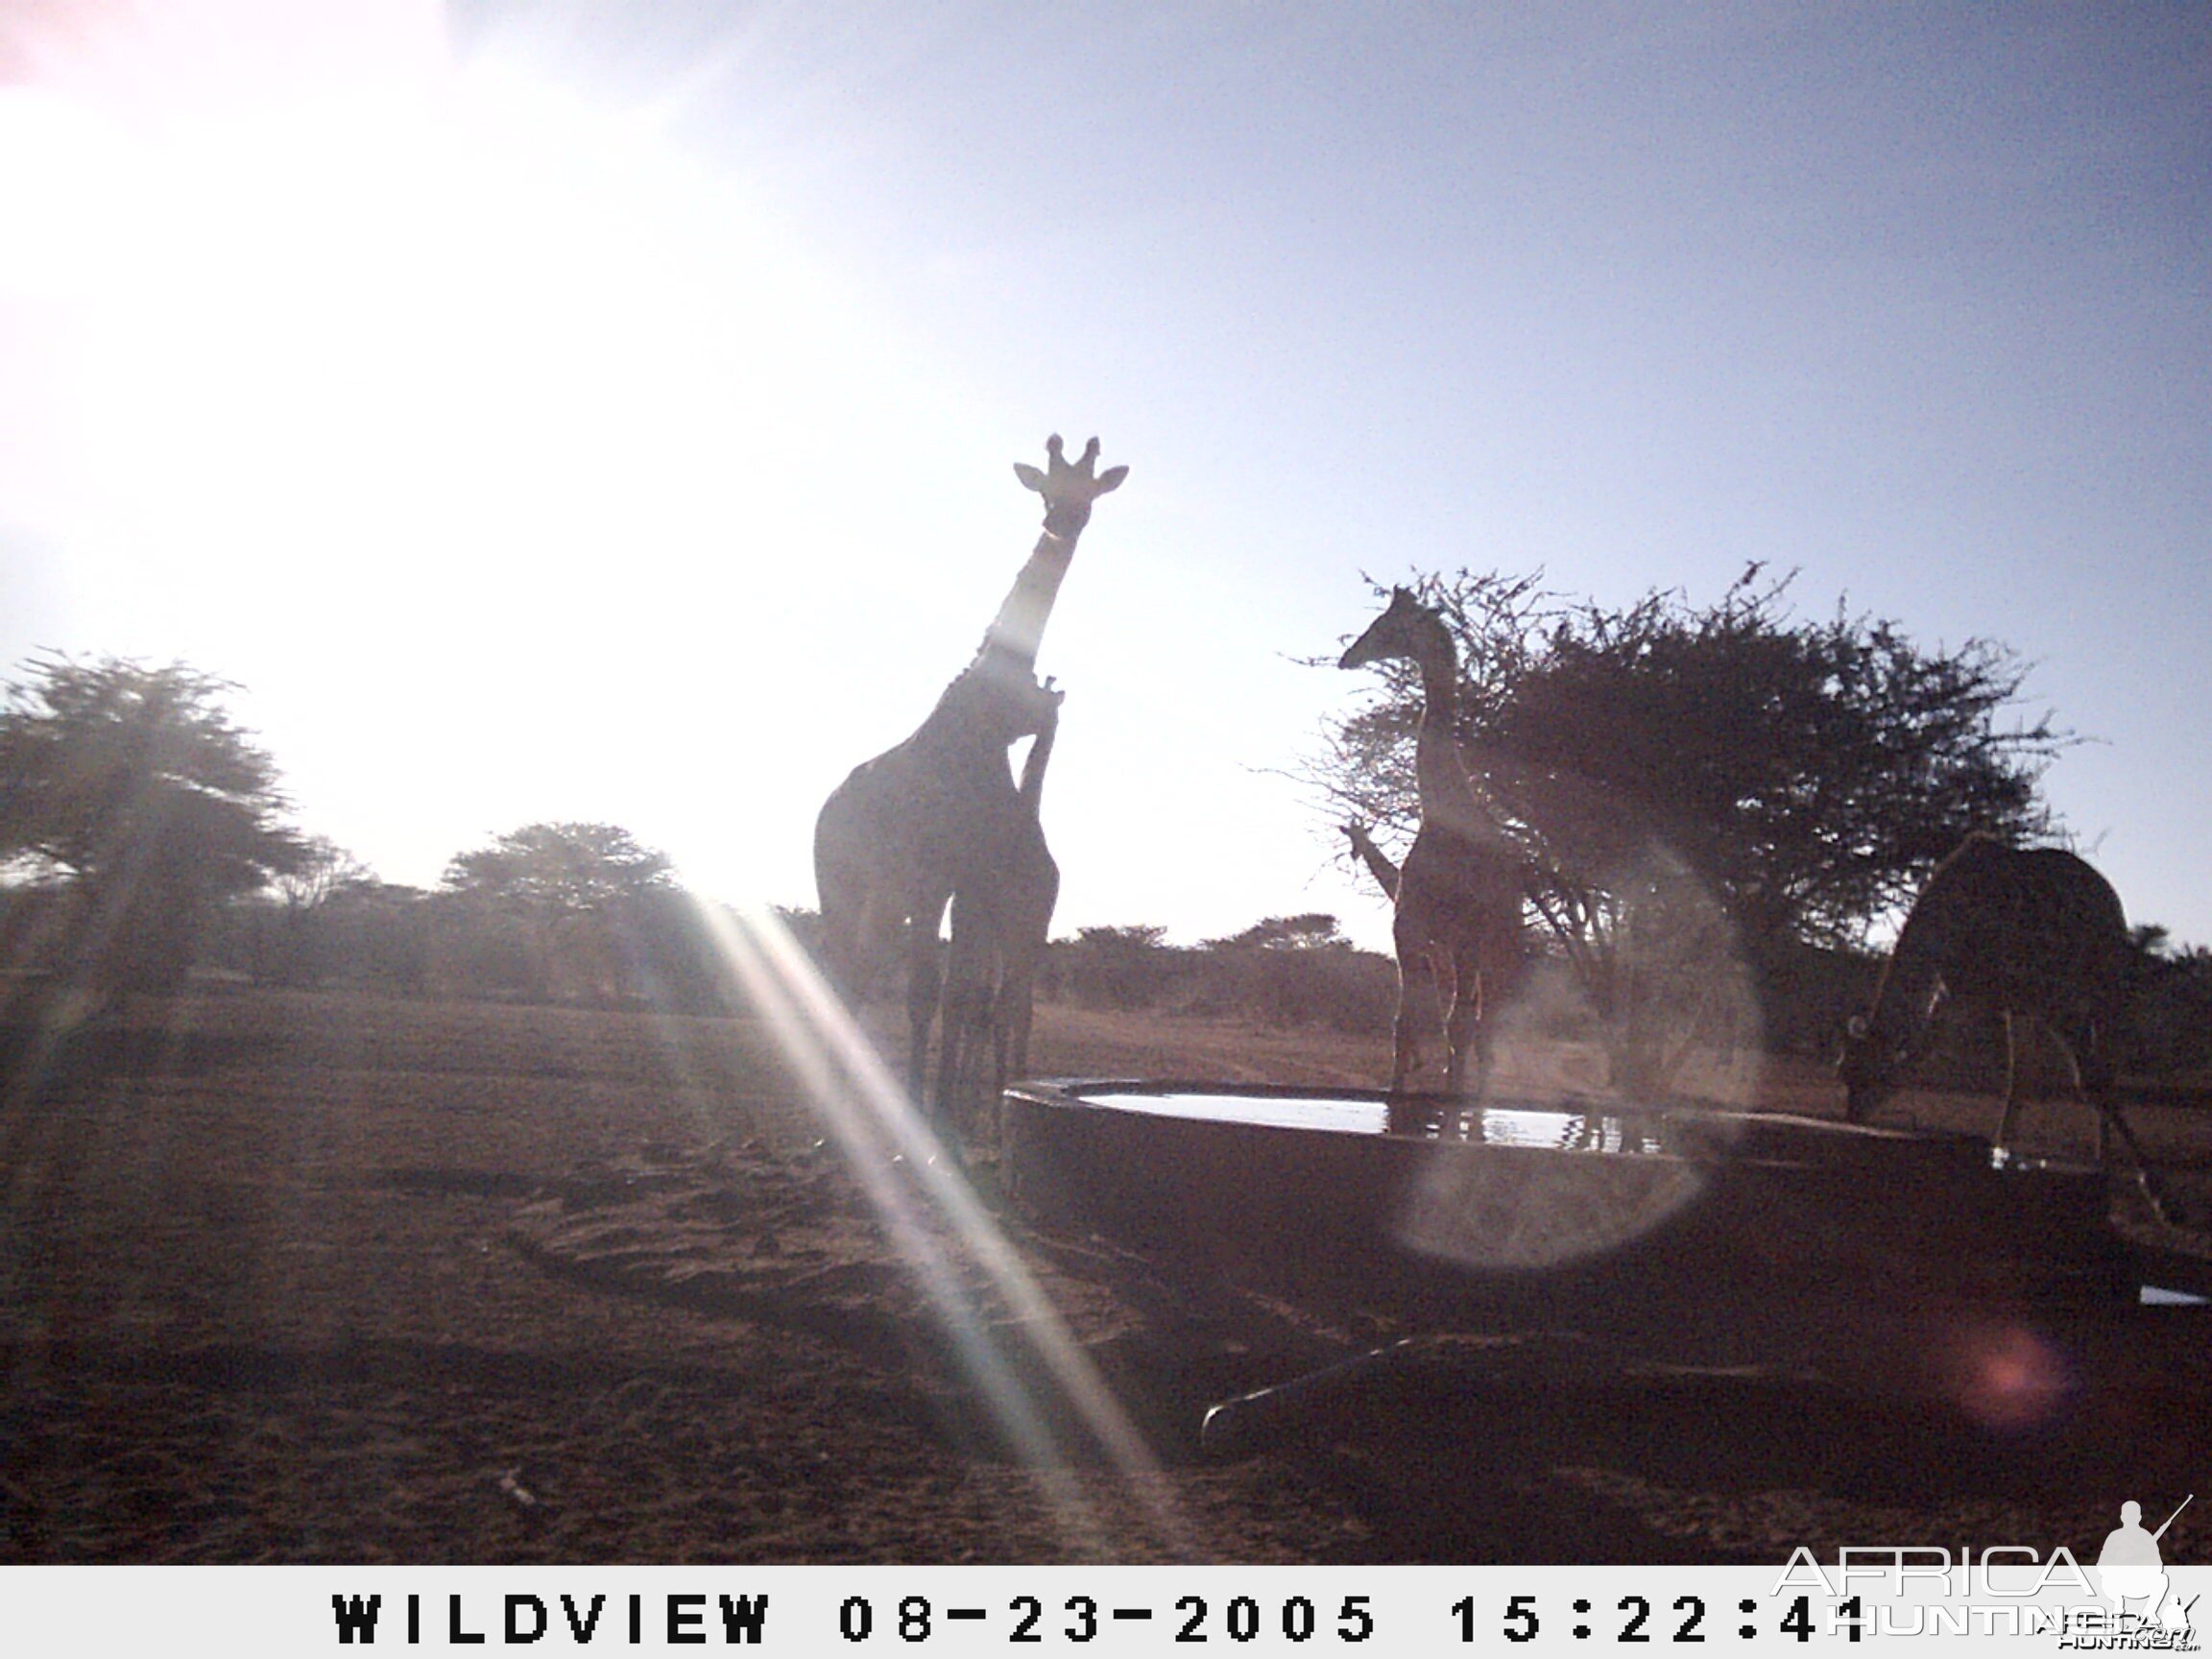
(1444, 1211)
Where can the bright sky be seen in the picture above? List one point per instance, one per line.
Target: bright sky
(607, 413)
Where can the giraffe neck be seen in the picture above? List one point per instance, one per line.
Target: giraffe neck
(1907, 982)
(1372, 855)
(1033, 766)
(988, 705)
(1446, 793)
(1019, 626)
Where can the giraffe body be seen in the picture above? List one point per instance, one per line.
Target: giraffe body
(922, 820)
(1456, 913)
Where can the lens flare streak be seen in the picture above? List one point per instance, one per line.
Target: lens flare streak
(900, 1164)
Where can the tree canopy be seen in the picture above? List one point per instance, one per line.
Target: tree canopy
(1697, 783)
(600, 915)
(1811, 774)
(561, 868)
(1311, 930)
(131, 788)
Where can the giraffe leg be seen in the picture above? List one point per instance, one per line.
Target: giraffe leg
(857, 939)
(2011, 1080)
(1004, 1040)
(1483, 1032)
(2107, 1111)
(1465, 1029)
(964, 1043)
(2093, 1078)
(2146, 1177)
(2070, 1050)
(1405, 1040)
(924, 984)
(1010, 1028)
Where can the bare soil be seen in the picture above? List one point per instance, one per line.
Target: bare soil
(328, 1278)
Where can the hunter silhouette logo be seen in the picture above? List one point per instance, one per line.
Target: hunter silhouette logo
(2130, 1569)
(2126, 1602)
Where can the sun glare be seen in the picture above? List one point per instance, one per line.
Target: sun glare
(454, 353)
(476, 308)
(459, 347)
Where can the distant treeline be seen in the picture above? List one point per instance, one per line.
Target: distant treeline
(648, 950)
(1300, 972)
(656, 949)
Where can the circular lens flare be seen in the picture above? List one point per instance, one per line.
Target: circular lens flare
(2006, 1377)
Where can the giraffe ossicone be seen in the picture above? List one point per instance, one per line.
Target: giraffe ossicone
(1068, 491)
(1069, 488)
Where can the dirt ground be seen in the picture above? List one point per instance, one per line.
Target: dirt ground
(319, 1278)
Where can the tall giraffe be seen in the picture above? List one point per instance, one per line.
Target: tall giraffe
(1000, 928)
(1457, 915)
(940, 812)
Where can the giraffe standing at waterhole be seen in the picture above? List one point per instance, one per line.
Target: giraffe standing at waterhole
(939, 813)
(1456, 907)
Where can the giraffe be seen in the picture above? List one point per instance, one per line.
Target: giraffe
(999, 927)
(1458, 901)
(1377, 861)
(2033, 934)
(940, 812)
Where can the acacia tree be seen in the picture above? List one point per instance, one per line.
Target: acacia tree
(586, 893)
(1311, 930)
(129, 793)
(324, 873)
(1120, 967)
(1698, 784)
(292, 941)
(570, 869)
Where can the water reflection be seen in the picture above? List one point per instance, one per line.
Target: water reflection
(1353, 1117)
(1616, 1173)
(1612, 1130)
(1615, 1130)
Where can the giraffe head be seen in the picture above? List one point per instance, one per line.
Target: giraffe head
(1039, 708)
(1868, 1068)
(1004, 701)
(1407, 628)
(1068, 491)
